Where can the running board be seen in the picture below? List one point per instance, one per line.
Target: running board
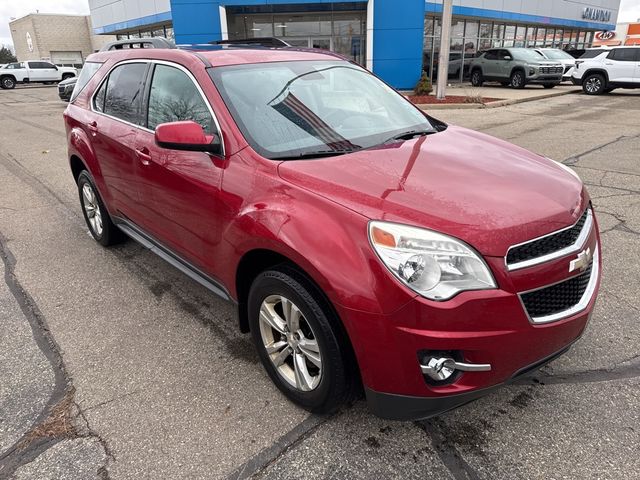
(185, 267)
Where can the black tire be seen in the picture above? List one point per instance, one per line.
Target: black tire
(337, 379)
(476, 78)
(594, 84)
(608, 90)
(517, 80)
(549, 85)
(109, 234)
(7, 83)
(505, 84)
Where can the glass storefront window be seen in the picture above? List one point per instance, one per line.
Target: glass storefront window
(428, 26)
(169, 33)
(498, 30)
(348, 24)
(521, 36)
(541, 37)
(557, 40)
(158, 32)
(145, 34)
(588, 40)
(299, 25)
(509, 35)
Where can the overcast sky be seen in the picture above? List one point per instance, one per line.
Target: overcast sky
(629, 11)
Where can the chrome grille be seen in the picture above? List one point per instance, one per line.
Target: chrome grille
(563, 299)
(551, 70)
(553, 245)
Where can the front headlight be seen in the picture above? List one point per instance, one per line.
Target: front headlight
(434, 265)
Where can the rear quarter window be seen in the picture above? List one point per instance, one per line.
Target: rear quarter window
(121, 93)
(87, 73)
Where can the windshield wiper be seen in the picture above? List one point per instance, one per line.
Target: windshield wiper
(318, 154)
(409, 135)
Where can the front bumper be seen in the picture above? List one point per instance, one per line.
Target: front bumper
(405, 407)
(555, 78)
(481, 327)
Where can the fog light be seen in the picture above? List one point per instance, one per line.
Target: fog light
(439, 369)
(442, 368)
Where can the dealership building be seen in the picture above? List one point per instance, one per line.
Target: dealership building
(397, 39)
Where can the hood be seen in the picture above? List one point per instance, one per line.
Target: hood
(482, 190)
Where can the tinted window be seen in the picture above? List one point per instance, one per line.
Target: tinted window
(124, 91)
(503, 53)
(174, 97)
(491, 55)
(592, 53)
(14, 66)
(98, 100)
(624, 54)
(86, 74)
(40, 65)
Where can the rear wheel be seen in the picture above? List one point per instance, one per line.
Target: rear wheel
(476, 78)
(101, 227)
(517, 79)
(298, 342)
(549, 85)
(7, 83)
(594, 84)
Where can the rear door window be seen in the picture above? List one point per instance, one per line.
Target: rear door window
(591, 54)
(174, 97)
(122, 92)
(491, 55)
(623, 55)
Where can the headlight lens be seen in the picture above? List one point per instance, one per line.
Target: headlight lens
(434, 265)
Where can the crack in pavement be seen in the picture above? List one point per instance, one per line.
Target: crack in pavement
(280, 447)
(27, 449)
(446, 450)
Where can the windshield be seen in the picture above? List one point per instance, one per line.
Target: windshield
(526, 54)
(302, 108)
(557, 55)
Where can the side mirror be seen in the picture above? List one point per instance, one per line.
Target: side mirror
(507, 57)
(187, 135)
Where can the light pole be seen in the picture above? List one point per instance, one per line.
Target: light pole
(445, 43)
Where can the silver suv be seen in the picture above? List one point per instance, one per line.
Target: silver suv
(516, 67)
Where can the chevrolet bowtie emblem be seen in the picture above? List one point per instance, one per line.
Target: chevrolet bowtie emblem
(582, 262)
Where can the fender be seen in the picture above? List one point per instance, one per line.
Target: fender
(80, 145)
(601, 71)
(339, 243)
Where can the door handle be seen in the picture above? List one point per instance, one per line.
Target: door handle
(143, 155)
(93, 127)
(608, 63)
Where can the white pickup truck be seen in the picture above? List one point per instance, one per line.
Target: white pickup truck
(33, 72)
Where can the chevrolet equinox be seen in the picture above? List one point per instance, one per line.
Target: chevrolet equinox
(364, 244)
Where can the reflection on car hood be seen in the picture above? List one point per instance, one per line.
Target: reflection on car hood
(482, 190)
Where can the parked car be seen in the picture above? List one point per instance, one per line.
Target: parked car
(65, 88)
(33, 72)
(516, 67)
(618, 67)
(361, 241)
(555, 54)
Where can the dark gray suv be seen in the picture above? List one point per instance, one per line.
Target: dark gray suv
(515, 67)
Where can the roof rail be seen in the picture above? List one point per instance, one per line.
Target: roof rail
(152, 42)
(254, 42)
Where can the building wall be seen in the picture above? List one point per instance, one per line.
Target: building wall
(553, 12)
(50, 33)
(117, 15)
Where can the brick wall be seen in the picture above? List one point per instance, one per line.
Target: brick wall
(51, 33)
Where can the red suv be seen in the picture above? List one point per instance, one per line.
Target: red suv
(364, 243)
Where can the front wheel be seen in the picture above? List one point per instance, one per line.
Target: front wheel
(101, 227)
(298, 342)
(476, 78)
(594, 84)
(517, 79)
(7, 83)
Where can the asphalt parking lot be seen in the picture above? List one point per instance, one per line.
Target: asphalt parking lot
(113, 365)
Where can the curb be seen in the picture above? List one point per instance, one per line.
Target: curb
(496, 104)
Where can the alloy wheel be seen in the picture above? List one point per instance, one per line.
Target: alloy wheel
(290, 343)
(516, 80)
(92, 209)
(593, 85)
(7, 83)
